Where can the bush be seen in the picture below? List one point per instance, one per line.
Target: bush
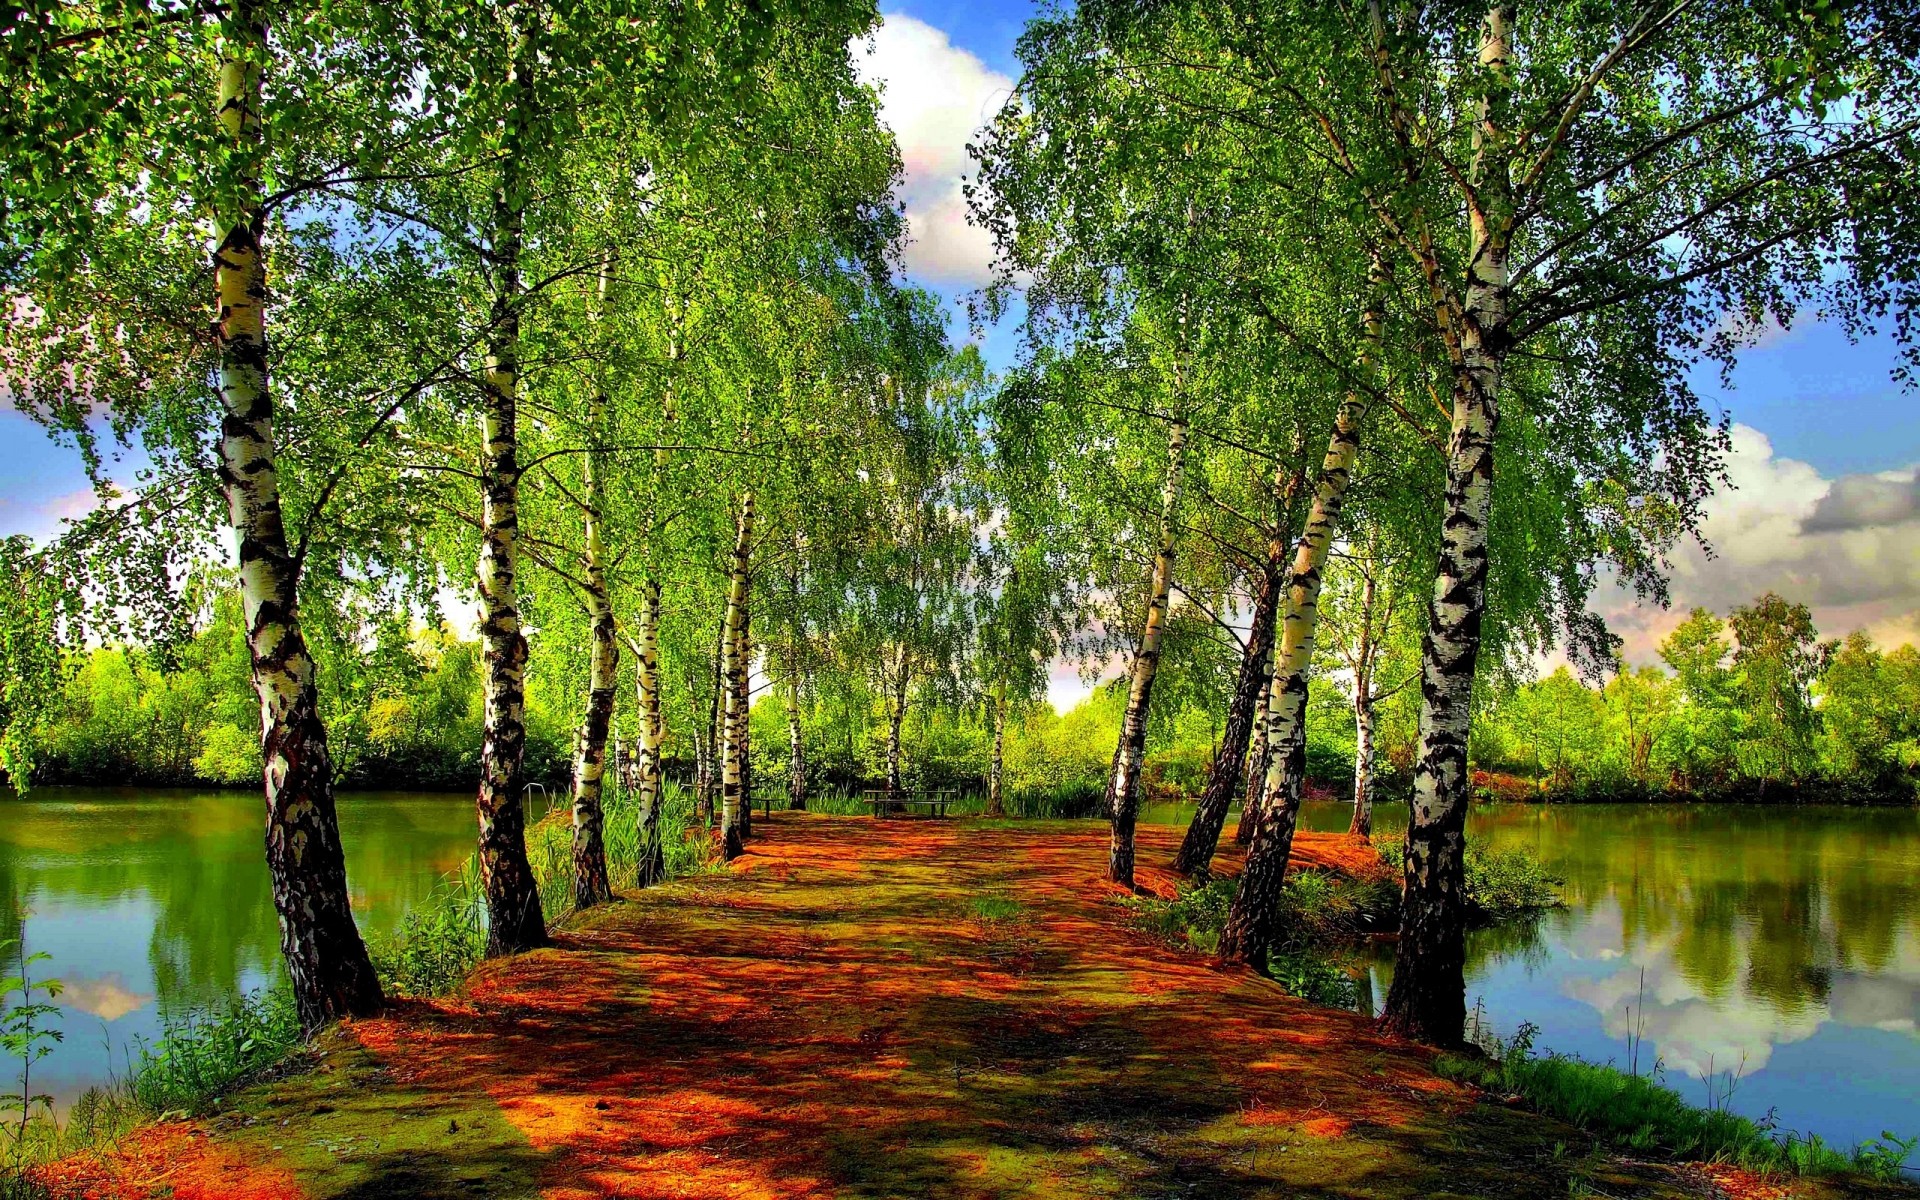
(202, 1055)
(1501, 884)
(437, 944)
(1317, 911)
(229, 756)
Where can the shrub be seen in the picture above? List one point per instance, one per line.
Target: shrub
(1500, 883)
(436, 946)
(199, 1056)
(229, 756)
(1317, 910)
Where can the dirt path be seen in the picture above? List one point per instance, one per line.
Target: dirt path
(836, 1018)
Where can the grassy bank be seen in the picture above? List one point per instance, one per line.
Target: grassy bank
(1639, 1114)
(202, 1057)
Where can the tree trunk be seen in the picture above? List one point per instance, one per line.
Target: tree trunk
(996, 763)
(515, 921)
(1428, 999)
(1362, 823)
(1123, 785)
(743, 700)
(796, 751)
(1249, 931)
(652, 865)
(591, 884)
(896, 716)
(734, 687)
(327, 962)
(1249, 688)
(1259, 758)
(709, 786)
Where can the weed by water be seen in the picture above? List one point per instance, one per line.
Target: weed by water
(1641, 1115)
(1318, 911)
(194, 1060)
(1501, 884)
(204, 1054)
(437, 944)
(1081, 798)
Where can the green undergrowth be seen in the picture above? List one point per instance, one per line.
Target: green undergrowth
(441, 940)
(1501, 884)
(1639, 1114)
(1321, 917)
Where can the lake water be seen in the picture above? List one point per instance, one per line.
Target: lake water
(1776, 951)
(1780, 945)
(154, 903)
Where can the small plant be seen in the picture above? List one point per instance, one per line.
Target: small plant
(25, 1033)
(198, 1057)
(994, 906)
(1314, 978)
(436, 946)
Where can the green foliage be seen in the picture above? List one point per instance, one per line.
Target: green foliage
(438, 944)
(402, 710)
(1501, 884)
(1641, 1115)
(1319, 915)
(229, 756)
(200, 1056)
(1756, 707)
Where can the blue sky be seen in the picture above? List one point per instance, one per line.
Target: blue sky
(1817, 418)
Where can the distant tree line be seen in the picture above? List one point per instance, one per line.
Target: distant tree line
(1756, 706)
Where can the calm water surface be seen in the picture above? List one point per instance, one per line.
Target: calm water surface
(1776, 951)
(1779, 949)
(154, 903)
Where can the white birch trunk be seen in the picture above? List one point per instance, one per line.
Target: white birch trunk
(1123, 787)
(326, 959)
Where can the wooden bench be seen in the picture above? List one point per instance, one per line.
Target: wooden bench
(934, 803)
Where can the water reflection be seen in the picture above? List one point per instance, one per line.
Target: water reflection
(1774, 949)
(155, 903)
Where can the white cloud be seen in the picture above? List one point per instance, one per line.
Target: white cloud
(1844, 547)
(45, 518)
(934, 96)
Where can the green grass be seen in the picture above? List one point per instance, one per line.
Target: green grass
(994, 906)
(1641, 1115)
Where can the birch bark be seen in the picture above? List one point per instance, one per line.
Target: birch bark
(591, 884)
(515, 919)
(734, 689)
(326, 959)
(1249, 930)
(996, 764)
(1123, 786)
(652, 866)
(1427, 1001)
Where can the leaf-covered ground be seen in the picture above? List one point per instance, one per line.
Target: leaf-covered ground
(870, 1009)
